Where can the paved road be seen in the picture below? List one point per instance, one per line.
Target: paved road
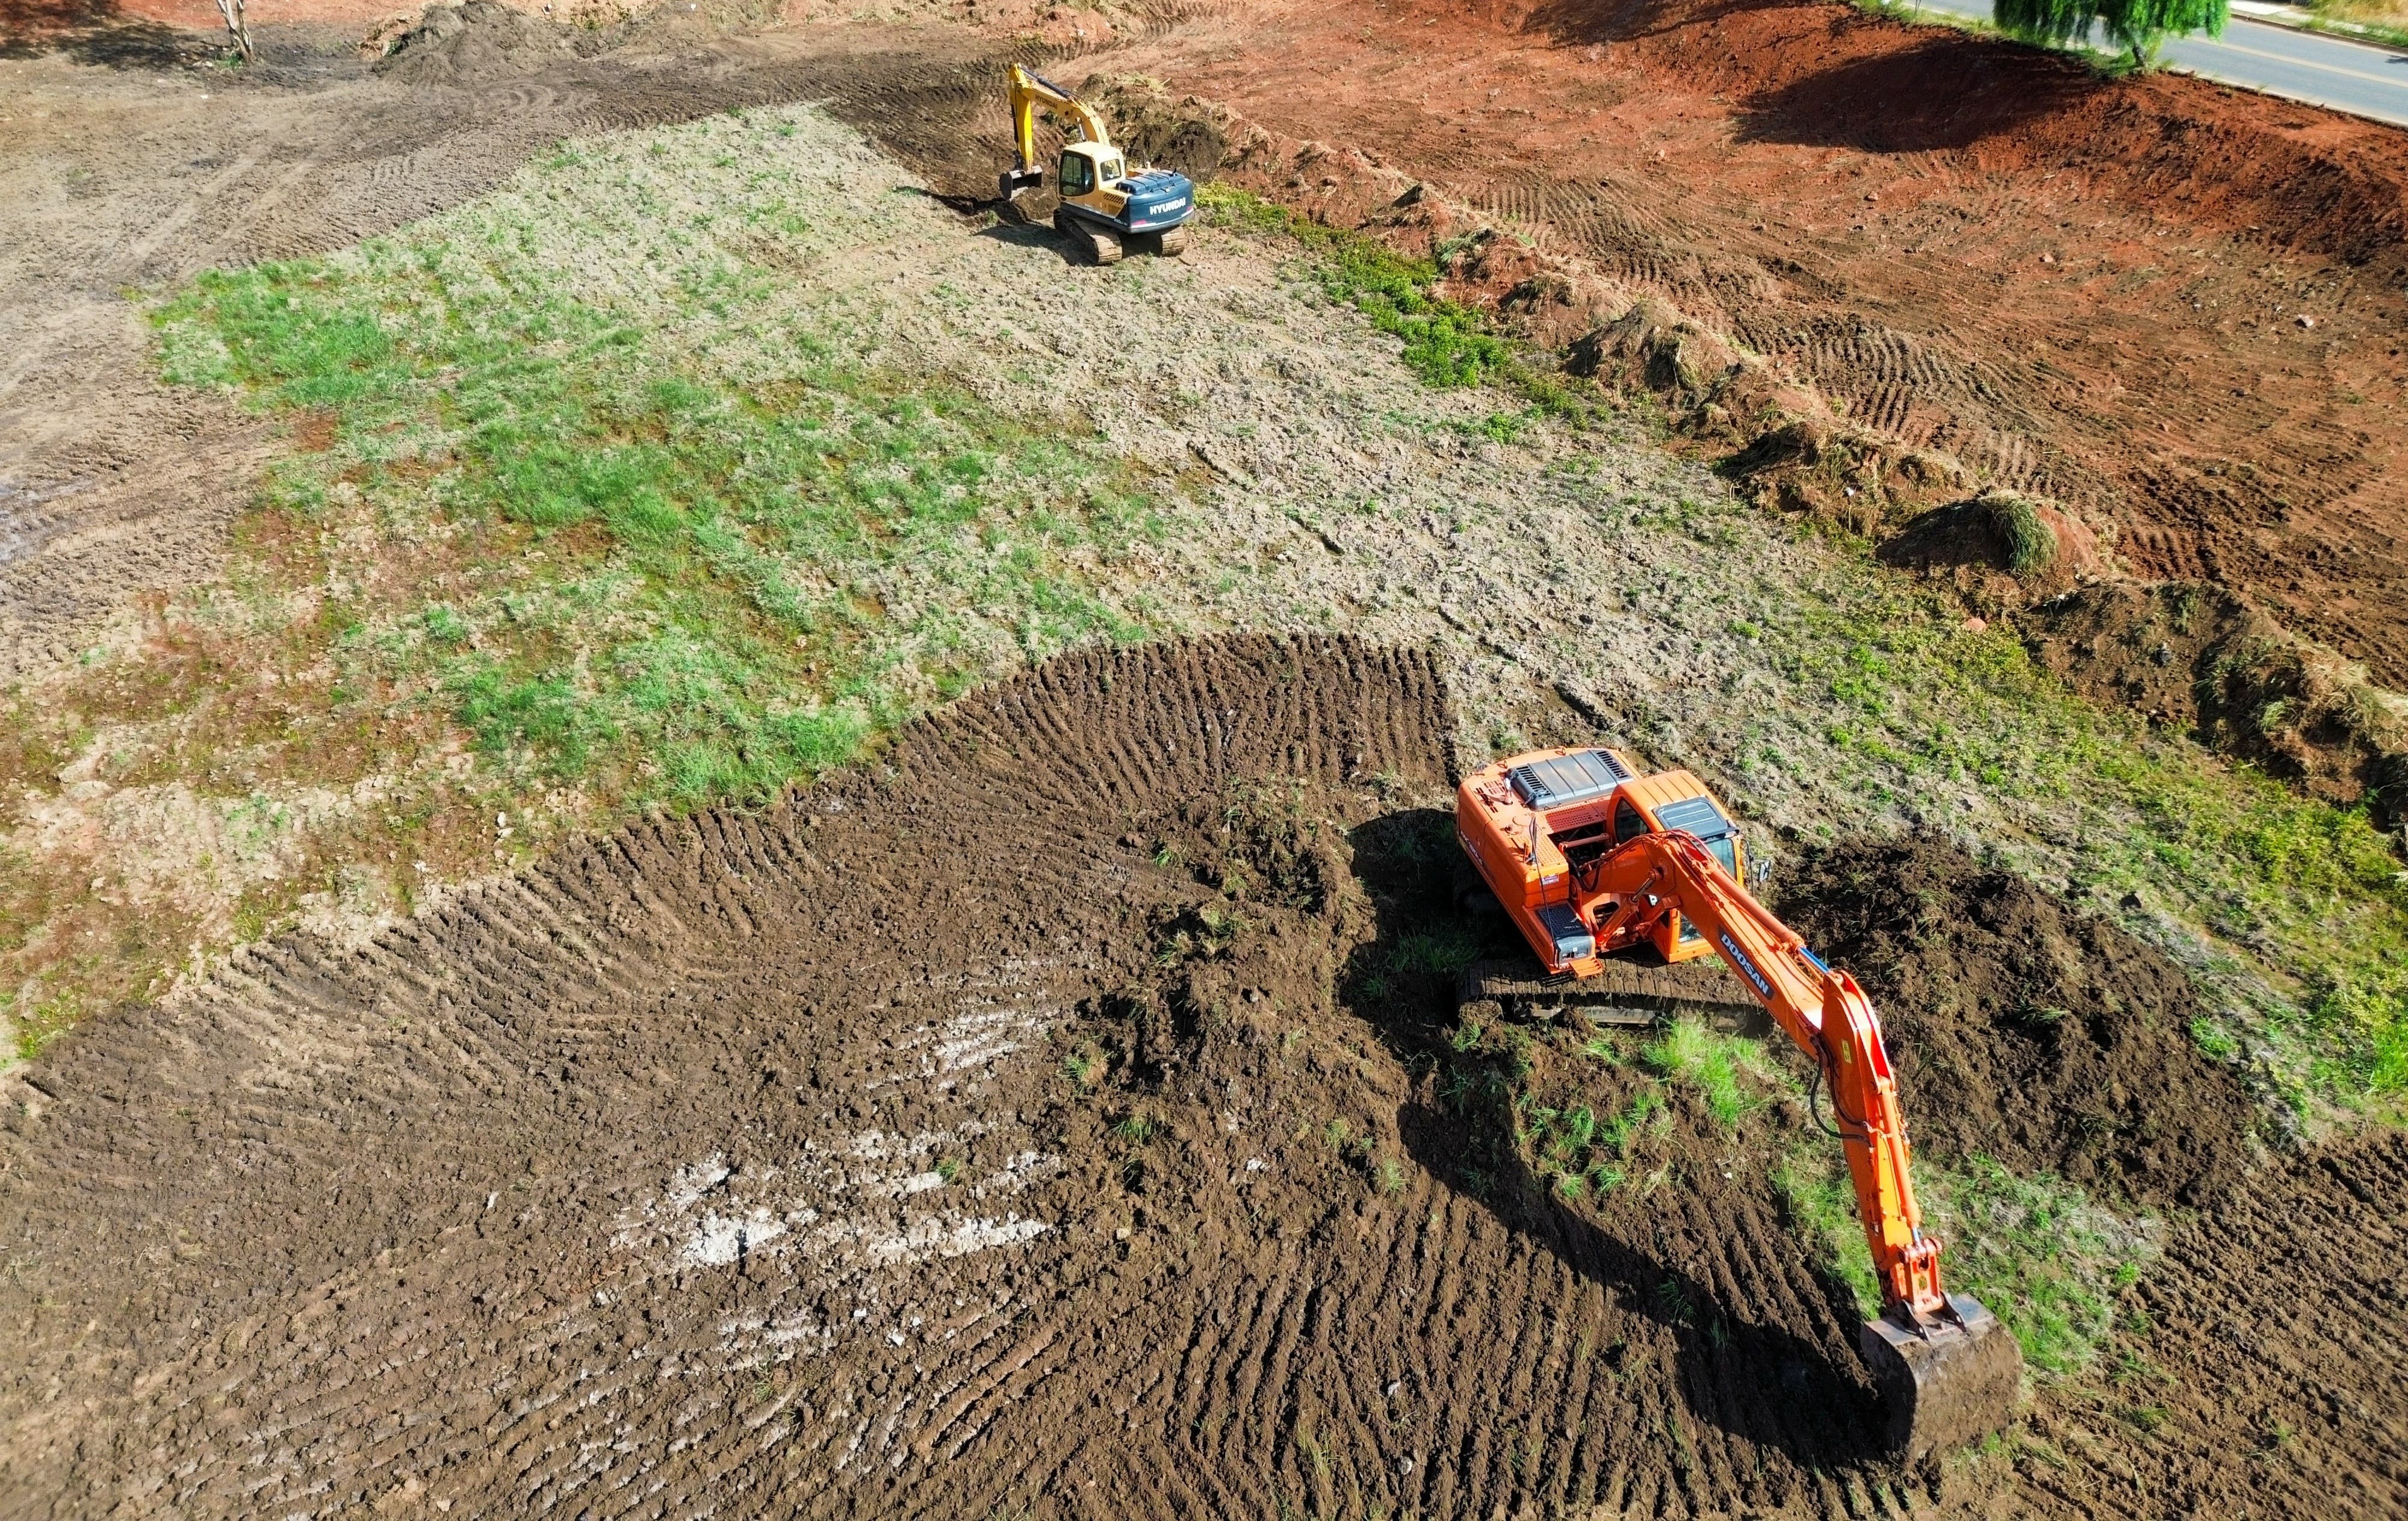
(2298, 65)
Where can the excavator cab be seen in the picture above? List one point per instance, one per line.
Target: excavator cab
(1589, 857)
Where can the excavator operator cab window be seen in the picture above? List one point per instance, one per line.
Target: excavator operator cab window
(1077, 173)
(1110, 169)
(1627, 823)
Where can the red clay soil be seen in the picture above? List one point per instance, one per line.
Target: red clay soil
(1052, 1121)
(2171, 306)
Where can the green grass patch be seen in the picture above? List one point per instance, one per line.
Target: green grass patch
(665, 564)
(2309, 896)
(1690, 1053)
(1447, 344)
(2038, 1250)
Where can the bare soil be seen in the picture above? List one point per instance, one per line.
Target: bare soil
(2171, 305)
(2024, 1029)
(1010, 1127)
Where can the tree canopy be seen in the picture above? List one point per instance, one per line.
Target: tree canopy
(2138, 26)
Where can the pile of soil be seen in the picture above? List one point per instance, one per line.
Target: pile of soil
(476, 42)
(2022, 1030)
(2201, 657)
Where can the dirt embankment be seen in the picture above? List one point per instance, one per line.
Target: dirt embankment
(2021, 1029)
(1877, 268)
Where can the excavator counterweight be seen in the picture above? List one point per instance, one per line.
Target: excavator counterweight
(1591, 859)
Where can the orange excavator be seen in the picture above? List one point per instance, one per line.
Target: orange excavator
(1595, 861)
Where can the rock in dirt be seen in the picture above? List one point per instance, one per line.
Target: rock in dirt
(2022, 1030)
(473, 43)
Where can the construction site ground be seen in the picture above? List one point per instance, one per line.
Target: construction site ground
(459, 1071)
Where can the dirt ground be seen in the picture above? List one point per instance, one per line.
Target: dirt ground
(749, 1162)
(1046, 1120)
(2174, 305)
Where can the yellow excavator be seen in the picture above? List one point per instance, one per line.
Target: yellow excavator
(1108, 208)
(1596, 863)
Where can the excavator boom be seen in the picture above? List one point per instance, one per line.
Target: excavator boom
(1079, 120)
(1107, 207)
(1588, 856)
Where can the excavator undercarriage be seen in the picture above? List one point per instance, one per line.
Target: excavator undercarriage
(1624, 886)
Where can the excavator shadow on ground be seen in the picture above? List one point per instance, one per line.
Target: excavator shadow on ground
(1764, 1383)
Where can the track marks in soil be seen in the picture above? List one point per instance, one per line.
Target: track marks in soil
(731, 1163)
(373, 1199)
(2161, 303)
(2268, 1382)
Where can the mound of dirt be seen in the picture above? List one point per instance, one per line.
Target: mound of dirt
(2021, 1029)
(2200, 657)
(475, 42)
(1157, 128)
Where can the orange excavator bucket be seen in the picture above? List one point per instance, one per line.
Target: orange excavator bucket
(1945, 1384)
(1589, 858)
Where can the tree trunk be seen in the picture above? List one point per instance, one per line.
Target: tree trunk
(238, 28)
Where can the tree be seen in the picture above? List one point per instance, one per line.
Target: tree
(2139, 27)
(236, 26)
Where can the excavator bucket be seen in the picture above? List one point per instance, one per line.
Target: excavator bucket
(1015, 181)
(1943, 1385)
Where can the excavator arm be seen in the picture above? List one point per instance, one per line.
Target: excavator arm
(1947, 1368)
(1830, 1017)
(1078, 120)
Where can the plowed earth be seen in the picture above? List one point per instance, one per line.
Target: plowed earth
(965, 1138)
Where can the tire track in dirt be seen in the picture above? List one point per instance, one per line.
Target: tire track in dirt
(614, 1188)
(2268, 1383)
(374, 1191)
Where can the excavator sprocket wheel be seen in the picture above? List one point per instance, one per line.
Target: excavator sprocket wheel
(1946, 1386)
(1174, 242)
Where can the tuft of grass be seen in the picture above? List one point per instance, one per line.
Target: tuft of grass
(1446, 344)
(1575, 1150)
(1695, 1055)
(2029, 542)
(1822, 1204)
(1086, 1065)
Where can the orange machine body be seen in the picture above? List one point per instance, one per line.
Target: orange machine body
(1539, 825)
(1589, 858)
